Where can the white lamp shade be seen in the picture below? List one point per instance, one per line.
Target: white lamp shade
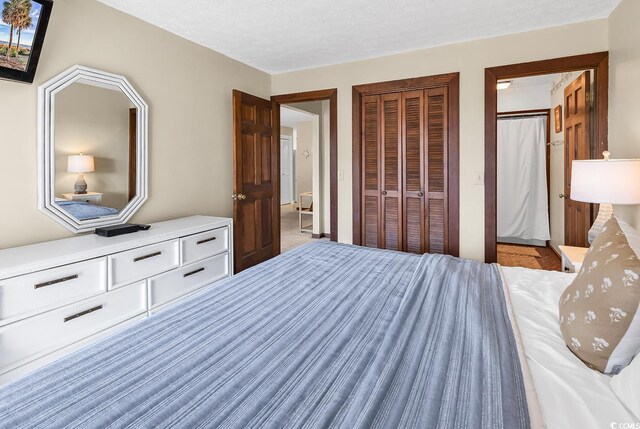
(616, 181)
(80, 164)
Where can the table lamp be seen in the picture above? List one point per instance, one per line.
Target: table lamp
(80, 164)
(605, 182)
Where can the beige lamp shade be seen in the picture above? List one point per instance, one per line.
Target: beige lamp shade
(80, 164)
(615, 181)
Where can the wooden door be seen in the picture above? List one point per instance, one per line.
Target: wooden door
(436, 151)
(391, 174)
(577, 135)
(371, 192)
(413, 139)
(256, 206)
(404, 170)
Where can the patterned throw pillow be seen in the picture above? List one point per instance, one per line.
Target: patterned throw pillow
(599, 316)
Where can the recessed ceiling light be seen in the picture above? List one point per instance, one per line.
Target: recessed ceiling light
(504, 84)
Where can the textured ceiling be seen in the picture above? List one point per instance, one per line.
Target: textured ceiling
(284, 35)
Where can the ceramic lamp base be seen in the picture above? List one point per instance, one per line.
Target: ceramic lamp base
(605, 213)
(80, 186)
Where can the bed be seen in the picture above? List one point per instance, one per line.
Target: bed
(569, 394)
(330, 335)
(84, 211)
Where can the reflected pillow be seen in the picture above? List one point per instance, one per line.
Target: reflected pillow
(599, 316)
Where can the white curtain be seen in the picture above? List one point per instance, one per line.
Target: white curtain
(523, 211)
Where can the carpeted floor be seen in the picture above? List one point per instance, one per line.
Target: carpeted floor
(540, 258)
(290, 235)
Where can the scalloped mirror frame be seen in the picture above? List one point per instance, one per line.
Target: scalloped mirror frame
(46, 146)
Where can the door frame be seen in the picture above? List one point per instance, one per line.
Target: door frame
(291, 169)
(452, 82)
(318, 95)
(598, 61)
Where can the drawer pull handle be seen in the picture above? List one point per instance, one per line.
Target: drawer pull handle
(199, 270)
(53, 282)
(151, 255)
(206, 240)
(82, 313)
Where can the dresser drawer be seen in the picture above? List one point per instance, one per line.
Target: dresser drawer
(45, 290)
(29, 339)
(201, 246)
(137, 264)
(172, 285)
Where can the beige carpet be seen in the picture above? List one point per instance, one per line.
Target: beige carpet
(290, 235)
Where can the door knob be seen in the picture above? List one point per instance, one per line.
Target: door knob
(237, 197)
(421, 194)
(384, 192)
(563, 196)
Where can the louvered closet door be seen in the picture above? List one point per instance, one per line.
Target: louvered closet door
(391, 150)
(371, 166)
(436, 161)
(404, 170)
(413, 115)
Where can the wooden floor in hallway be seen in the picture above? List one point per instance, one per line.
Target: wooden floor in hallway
(540, 258)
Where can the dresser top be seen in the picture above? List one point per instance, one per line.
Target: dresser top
(27, 259)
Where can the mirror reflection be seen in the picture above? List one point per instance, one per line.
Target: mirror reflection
(95, 150)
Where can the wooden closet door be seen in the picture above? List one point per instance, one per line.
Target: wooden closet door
(391, 151)
(436, 162)
(413, 171)
(371, 167)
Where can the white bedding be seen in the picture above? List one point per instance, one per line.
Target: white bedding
(570, 395)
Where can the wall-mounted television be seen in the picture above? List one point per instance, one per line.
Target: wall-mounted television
(23, 24)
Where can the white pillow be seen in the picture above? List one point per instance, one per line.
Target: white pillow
(626, 386)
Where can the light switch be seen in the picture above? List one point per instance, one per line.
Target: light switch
(478, 178)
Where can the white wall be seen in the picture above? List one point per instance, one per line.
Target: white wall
(95, 121)
(470, 59)
(524, 98)
(304, 166)
(624, 101)
(321, 108)
(190, 108)
(188, 88)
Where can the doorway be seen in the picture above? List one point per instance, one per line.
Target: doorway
(304, 173)
(327, 162)
(256, 185)
(547, 101)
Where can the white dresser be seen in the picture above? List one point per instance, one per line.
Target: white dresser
(57, 296)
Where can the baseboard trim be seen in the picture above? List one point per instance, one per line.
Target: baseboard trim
(553, 249)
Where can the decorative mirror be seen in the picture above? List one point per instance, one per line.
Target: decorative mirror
(92, 149)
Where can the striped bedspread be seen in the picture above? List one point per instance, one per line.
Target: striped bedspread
(324, 336)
